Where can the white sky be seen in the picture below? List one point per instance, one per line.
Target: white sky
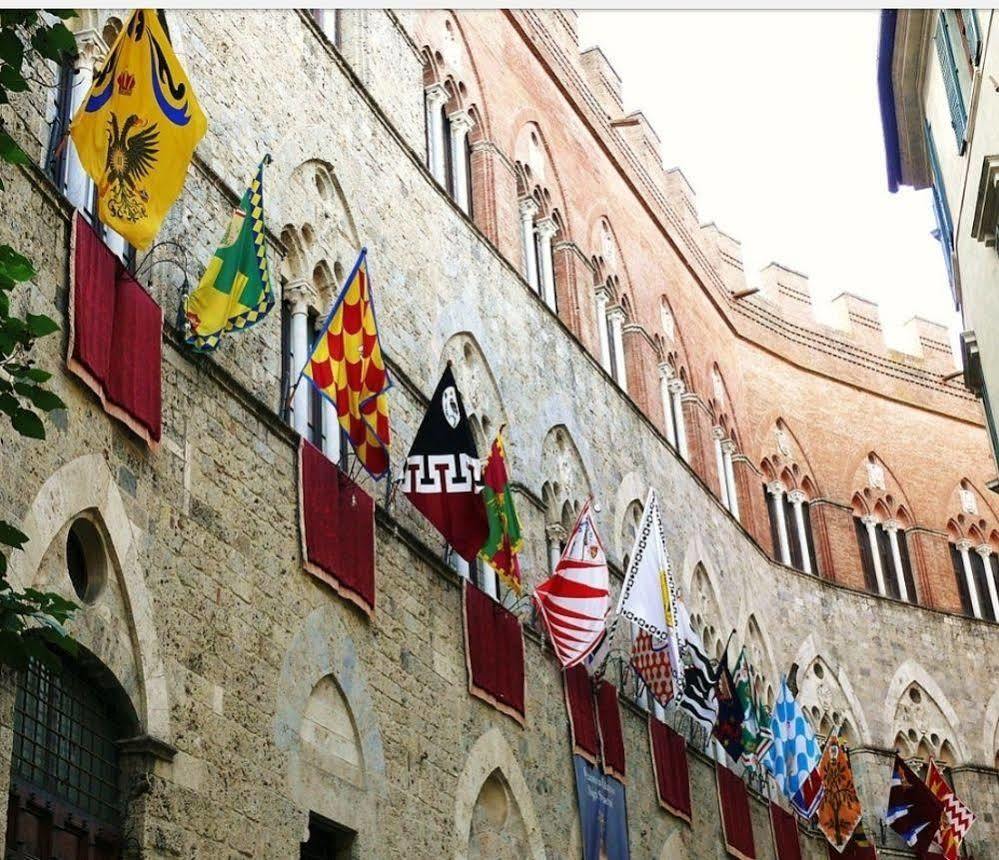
(773, 118)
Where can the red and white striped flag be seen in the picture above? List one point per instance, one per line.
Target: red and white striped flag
(575, 599)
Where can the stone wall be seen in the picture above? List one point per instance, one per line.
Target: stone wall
(222, 642)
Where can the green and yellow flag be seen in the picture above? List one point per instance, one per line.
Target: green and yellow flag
(505, 540)
(235, 291)
(137, 128)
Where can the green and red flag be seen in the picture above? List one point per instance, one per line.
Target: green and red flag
(505, 540)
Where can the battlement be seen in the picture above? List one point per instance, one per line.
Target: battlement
(789, 290)
(604, 82)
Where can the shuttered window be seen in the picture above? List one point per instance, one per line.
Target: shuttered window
(952, 78)
(806, 512)
(772, 513)
(887, 562)
(941, 209)
(793, 540)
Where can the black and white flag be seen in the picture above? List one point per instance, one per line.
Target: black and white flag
(699, 699)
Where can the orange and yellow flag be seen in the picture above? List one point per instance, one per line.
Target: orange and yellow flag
(347, 367)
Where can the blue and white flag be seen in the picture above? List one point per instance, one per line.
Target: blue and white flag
(795, 754)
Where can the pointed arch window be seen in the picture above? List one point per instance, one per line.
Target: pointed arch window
(884, 558)
(976, 571)
(790, 526)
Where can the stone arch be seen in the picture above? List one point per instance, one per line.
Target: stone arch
(318, 229)
(927, 714)
(447, 53)
(675, 847)
(970, 514)
(118, 628)
(563, 473)
(326, 725)
(492, 758)
(761, 658)
(606, 257)
(779, 447)
(478, 387)
(874, 481)
(631, 489)
(537, 171)
(842, 695)
(707, 611)
(990, 731)
(628, 529)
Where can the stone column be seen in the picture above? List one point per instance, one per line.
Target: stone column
(776, 489)
(896, 557)
(665, 375)
(436, 97)
(985, 551)
(528, 209)
(676, 388)
(728, 450)
(797, 498)
(299, 293)
(963, 547)
(331, 429)
(461, 125)
(91, 47)
(547, 228)
(616, 317)
(555, 535)
(602, 300)
(871, 523)
(718, 434)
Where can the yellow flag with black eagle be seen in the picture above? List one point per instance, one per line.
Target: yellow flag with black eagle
(137, 129)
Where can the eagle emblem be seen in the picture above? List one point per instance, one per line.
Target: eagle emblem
(132, 150)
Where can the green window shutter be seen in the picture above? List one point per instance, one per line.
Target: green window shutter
(941, 209)
(970, 20)
(952, 85)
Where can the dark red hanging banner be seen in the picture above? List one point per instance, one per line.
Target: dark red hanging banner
(733, 801)
(611, 736)
(337, 524)
(582, 713)
(669, 762)
(115, 335)
(494, 652)
(787, 844)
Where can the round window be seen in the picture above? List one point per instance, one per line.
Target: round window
(85, 560)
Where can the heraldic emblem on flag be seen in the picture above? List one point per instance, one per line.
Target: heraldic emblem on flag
(956, 820)
(443, 475)
(914, 812)
(575, 599)
(505, 539)
(648, 595)
(839, 811)
(235, 292)
(137, 128)
(651, 660)
(347, 368)
(700, 699)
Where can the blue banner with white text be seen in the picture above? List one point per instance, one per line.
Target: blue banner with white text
(603, 814)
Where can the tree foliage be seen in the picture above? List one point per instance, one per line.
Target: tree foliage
(30, 620)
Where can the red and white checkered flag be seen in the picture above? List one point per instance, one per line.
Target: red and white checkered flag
(652, 662)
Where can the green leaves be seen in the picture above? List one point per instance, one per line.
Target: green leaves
(31, 622)
(12, 536)
(15, 266)
(10, 151)
(40, 325)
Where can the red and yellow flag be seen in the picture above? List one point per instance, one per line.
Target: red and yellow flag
(347, 367)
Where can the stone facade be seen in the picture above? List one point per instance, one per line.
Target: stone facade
(259, 696)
